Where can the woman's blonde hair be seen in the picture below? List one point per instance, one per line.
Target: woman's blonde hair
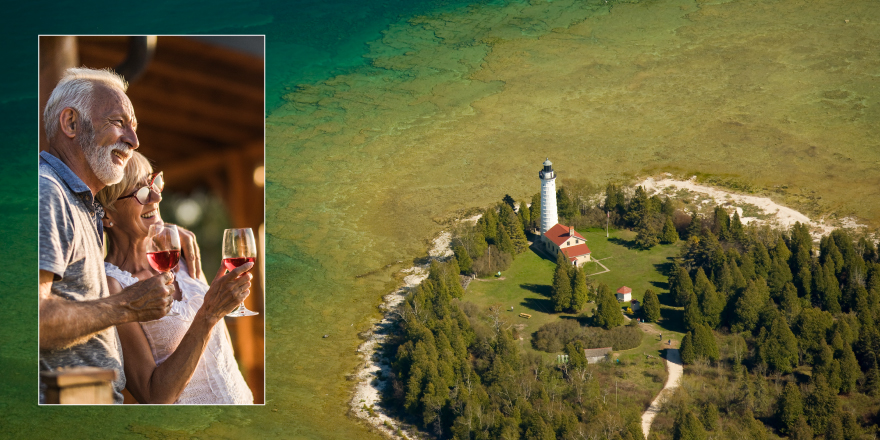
(136, 169)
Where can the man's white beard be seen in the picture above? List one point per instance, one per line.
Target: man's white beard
(100, 158)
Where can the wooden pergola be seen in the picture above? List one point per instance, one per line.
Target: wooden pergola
(200, 110)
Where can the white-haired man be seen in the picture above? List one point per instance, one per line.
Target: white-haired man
(90, 125)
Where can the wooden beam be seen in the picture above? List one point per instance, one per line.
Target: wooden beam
(57, 54)
(228, 70)
(197, 125)
(213, 162)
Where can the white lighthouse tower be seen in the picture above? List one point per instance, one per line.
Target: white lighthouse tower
(548, 197)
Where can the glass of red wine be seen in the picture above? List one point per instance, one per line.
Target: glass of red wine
(163, 249)
(239, 247)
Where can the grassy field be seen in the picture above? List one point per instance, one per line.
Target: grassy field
(526, 286)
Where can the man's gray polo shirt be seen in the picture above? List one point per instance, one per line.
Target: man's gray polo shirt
(70, 248)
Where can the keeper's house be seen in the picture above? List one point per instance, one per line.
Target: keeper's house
(566, 240)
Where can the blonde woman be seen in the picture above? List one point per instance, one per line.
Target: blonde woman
(184, 359)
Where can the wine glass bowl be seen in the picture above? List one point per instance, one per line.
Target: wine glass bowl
(239, 247)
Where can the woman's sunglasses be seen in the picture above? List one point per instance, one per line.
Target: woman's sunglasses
(144, 194)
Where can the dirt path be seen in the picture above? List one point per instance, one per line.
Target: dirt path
(673, 364)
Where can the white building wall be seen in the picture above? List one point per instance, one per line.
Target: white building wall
(549, 218)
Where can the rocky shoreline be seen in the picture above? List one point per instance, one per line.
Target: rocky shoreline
(373, 373)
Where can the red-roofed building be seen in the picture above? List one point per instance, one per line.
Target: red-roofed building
(566, 240)
(624, 294)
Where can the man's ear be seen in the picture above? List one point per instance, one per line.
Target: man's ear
(69, 122)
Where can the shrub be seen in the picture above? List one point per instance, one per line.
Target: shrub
(553, 337)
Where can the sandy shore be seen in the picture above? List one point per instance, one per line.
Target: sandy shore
(373, 373)
(779, 216)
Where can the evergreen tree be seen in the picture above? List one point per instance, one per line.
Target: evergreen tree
(535, 211)
(737, 231)
(489, 223)
(688, 350)
(849, 370)
(525, 215)
(762, 260)
(850, 424)
(688, 427)
(608, 314)
(778, 276)
(692, 315)
(872, 378)
(464, 260)
(704, 341)
(821, 404)
(479, 246)
(791, 304)
(518, 237)
(579, 290)
(651, 306)
(801, 430)
(777, 346)
(669, 234)
(790, 408)
(746, 308)
(811, 328)
(576, 356)
(680, 285)
(721, 224)
(747, 267)
(801, 270)
(561, 285)
(504, 243)
(567, 208)
(637, 208)
(738, 279)
(711, 303)
(710, 417)
(646, 236)
(834, 430)
(695, 227)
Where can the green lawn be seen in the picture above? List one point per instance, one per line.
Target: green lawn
(526, 285)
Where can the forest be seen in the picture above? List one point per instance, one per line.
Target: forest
(781, 340)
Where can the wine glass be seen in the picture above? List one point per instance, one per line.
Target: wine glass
(239, 247)
(163, 249)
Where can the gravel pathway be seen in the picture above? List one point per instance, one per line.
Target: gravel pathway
(673, 364)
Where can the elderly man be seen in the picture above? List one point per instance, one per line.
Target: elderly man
(90, 125)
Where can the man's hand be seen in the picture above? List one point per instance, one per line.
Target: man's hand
(227, 292)
(191, 255)
(149, 299)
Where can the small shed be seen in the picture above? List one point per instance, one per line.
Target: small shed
(636, 306)
(595, 355)
(624, 294)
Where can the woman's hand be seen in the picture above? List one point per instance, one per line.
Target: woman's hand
(227, 292)
(191, 255)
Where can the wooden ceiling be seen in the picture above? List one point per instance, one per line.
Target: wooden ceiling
(195, 102)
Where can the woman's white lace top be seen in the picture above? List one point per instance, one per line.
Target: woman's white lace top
(216, 379)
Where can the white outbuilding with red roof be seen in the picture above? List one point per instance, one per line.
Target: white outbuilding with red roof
(624, 294)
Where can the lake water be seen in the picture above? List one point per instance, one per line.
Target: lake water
(386, 118)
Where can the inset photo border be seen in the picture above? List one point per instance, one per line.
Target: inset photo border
(193, 106)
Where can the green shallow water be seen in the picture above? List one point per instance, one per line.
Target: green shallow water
(458, 107)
